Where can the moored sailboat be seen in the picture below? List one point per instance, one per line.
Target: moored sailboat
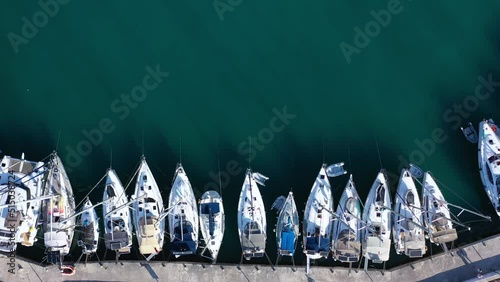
(252, 222)
(117, 215)
(408, 230)
(212, 220)
(182, 215)
(347, 231)
(376, 239)
(148, 223)
(436, 213)
(89, 229)
(58, 219)
(21, 189)
(489, 161)
(287, 227)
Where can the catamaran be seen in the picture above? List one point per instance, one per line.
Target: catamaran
(287, 227)
(89, 229)
(58, 211)
(148, 223)
(212, 221)
(489, 161)
(252, 216)
(117, 216)
(21, 189)
(347, 231)
(408, 230)
(376, 241)
(182, 215)
(436, 213)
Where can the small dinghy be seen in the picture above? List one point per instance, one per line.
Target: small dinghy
(470, 133)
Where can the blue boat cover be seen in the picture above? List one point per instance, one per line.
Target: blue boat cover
(210, 208)
(187, 245)
(288, 241)
(312, 244)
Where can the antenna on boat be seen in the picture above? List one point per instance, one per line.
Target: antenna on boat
(180, 150)
(58, 137)
(218, 165)
(249, 152)
(378, 151)
(142, 142)
(111, 158)
(323, 149)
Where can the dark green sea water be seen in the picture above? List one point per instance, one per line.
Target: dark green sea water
(226, 77)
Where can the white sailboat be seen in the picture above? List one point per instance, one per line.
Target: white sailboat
(347, 231)
(489, 161)
(252, 222)
(21, 189)
(408, 232)
(287, 227)
(182, 215)
(436, 213)
(59, 222)
(212, 220)
(317, 225)
(117, 216)
(149, 227)
(376, 240)
(89, 229)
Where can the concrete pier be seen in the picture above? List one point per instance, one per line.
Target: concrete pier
(479, 259)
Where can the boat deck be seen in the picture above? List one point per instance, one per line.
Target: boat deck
(460, 264)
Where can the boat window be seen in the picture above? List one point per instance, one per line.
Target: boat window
(150, 200)
(140, 209)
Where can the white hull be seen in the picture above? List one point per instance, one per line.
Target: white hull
(489, 161)
(148, 228)
(251, 218)
(89, 229)
(117, 217)
(287, 227)
(212, 220)
(26, 184)
(377, 215)
(407, 236)
(317, 226)
(58, 232)
(436, 213)
(347, 230)
(182, 216)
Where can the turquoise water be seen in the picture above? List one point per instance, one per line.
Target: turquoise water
(224, 79)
